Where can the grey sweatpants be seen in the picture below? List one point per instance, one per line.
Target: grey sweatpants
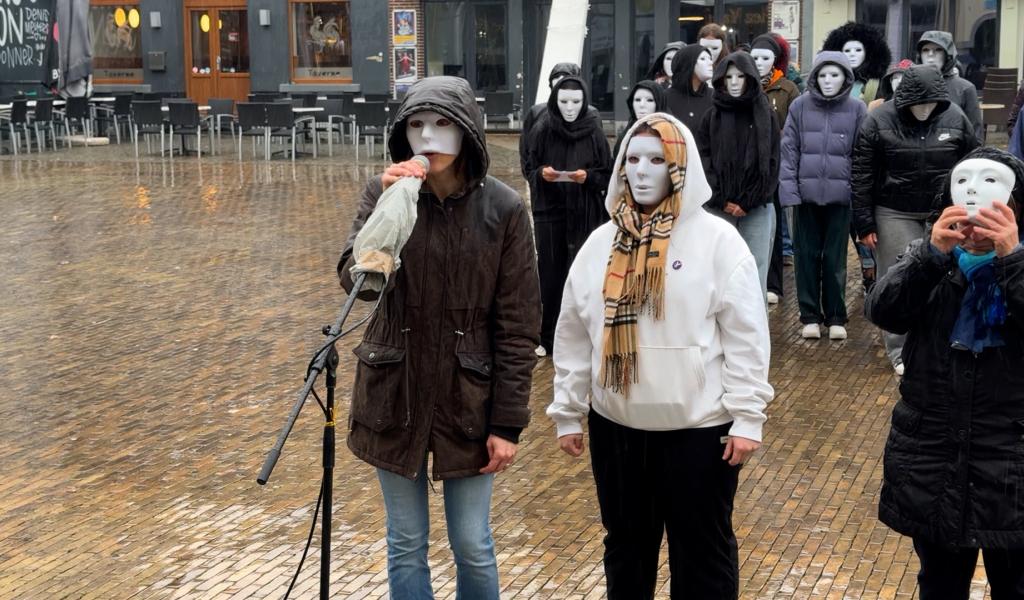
(896, 229)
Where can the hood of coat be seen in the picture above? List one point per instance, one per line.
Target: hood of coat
(683, 66)
(454, 98)
(746, 65)
(1000, 156)
(944, 40)
(770, 42)
(660, 99)
(655, 71)
(885, 86)
(696, 190)
(553, 98)
(564, 69)
(922, 84)
(822, 60)
(877, 55)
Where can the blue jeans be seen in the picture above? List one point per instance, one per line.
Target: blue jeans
(467, 506)
(757, 229)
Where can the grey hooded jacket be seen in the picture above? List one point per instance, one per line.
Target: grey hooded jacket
(818, 140)
(961, 92)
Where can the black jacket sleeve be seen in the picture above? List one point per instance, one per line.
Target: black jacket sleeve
(599, 174)
(704, 148)
(866, 156)
(898, 299)
(529, 120)
(1010, 273)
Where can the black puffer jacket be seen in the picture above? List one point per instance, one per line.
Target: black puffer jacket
(898, 161)
(954, 460)
(961, 91)
(448, 357)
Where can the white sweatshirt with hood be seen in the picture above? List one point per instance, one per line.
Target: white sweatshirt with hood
(705, 363)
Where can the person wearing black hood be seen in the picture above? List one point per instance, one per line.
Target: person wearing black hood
(445, 365)
(953, 476)
(661, 68)
(869, 55)
(690, 95)
(904, 149)
(567, 167)
(537, 111)
(738, 140)
(936, 48)
(645, 98)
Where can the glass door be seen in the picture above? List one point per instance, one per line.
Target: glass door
(217, 54)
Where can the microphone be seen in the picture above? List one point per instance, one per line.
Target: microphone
(379, 243)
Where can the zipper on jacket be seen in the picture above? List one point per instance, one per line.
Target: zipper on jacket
(408, 400)
(966, 454)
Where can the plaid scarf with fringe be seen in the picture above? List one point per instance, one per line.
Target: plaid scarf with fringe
(635, 280)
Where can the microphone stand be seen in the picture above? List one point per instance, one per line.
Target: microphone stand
(326, 361)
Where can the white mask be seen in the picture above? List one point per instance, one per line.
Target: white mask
(714, 45)
(705, 67)
(933, 55)
(570, 104)
(921, 112)
(896, 79)
(643, 103)
(854, 51)
(735, 81)
(432, 133)
(647, 170)
(666, 63)
(764, 59)
(830, 80)
(977, 182)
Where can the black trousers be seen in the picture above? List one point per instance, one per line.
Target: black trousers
(653, 482)
(553, 267)
(820, 240)
(946, 572)
(775, 267)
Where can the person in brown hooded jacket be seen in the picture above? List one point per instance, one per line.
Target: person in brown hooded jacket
(445, 366)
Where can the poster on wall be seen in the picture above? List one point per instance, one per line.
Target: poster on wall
(404, 64)
(403, 27)
(786, 18)
(794, 52)
(27, 44)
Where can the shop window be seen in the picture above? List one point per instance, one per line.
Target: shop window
(973, 24)
(599, 55)
(748, 19)
(321, 41)
(468, 40)
(116, 42)
(643, 37)
(694, 14)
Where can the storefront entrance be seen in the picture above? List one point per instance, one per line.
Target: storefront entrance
(216, 51)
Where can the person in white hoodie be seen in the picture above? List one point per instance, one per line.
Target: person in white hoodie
(663, 347)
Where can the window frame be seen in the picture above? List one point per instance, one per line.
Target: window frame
(142, 57)
(291, 44)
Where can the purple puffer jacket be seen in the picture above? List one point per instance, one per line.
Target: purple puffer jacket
(817, 141)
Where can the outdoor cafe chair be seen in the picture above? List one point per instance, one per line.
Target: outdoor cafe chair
(184, 116)
(252, 123)
(119, 115)
(43, 117)
(222, 112)
(500, 104)
(334, 118)
(16, 124)
(76, 109)
(283, 124)
(147, 120)
(371, 123)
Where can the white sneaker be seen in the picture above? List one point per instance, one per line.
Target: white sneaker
(811, 331)
(898, 367)
(836, 332)
(540, 352)
(773, 298)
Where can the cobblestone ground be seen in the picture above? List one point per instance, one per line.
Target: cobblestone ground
(156, 321)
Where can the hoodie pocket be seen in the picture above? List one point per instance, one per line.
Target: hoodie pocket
(669, 390)
(378, 384)
(473, 386)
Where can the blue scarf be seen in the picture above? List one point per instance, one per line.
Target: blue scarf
(983, 309)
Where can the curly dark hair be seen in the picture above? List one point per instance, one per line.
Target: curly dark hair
(876, 49)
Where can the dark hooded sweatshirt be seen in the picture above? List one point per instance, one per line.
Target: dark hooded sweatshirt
(660, 105)
(684, 103)
(900, 162)
(738, 140)
(953, 468)
(961, 92)
(657, 69)
(448, 357)
(537, 111)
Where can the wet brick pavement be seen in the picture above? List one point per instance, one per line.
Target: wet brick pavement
(156, 321)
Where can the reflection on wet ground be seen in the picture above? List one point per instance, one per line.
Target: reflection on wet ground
(156, 320)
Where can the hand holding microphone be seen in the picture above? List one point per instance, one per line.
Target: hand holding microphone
(416, 167)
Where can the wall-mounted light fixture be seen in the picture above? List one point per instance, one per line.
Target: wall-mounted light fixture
(154, 20)
(264, 17)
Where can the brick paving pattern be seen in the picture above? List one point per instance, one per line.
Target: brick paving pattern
(156, 321)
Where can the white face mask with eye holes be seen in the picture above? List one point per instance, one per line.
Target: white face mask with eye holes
(705, 67)
(429, 132)
(764, 59)
(643, 103)
(714, 45)
(830, 80)
(933, 55)
(570, 104)
(647, 170)
(978, 182)
(735, 81)
(855, 52)
(666, 63)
